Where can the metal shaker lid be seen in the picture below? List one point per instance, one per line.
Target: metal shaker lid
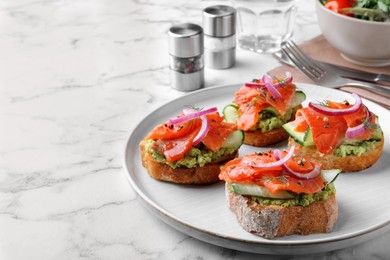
(219, 20)
(185, 40)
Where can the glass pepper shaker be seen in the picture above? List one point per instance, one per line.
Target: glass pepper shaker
(186, 56)
(219, 24)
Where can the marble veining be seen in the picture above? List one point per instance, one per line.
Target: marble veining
(76, 77)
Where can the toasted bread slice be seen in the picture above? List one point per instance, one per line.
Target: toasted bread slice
(207, 174)
(351, 163)
(275, 221)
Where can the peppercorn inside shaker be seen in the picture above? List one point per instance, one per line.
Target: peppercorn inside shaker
(186, 56)
(219, 24)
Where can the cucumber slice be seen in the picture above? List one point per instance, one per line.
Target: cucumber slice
(235, 139)
(255, 190)
(298, 136)
(308, 139)
(299, 97)
(303, 138)
(230, 113)
(271, 110)
(377, 136)
(330, 175)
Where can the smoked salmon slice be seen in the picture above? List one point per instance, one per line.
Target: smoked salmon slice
(251, 101)
(170, 131)
(327, 131)
(273, 178)
(218, 132)
(173, 141)
(286, 182)
(174, 149)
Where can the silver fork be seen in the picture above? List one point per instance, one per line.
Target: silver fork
(322, 76)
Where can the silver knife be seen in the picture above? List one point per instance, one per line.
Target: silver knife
(342, 71)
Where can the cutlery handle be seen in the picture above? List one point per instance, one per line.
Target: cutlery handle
(371, 86)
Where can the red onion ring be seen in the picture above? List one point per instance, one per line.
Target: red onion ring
(277, 154)
(254, 85)
(355, 131)
(272, 164)
(204, 129)
(191, 116)
(338, 112)
(309, 175)
(359, 129)
(287, 80)
(271, 88)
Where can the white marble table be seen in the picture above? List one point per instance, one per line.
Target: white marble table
(75, 78)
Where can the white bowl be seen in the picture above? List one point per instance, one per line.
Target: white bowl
(361, 42)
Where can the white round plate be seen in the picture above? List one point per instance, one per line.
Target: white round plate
(202, 212)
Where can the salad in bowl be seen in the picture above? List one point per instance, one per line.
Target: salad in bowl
(353, 28)
(370, 10)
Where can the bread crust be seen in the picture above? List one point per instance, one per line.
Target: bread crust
(260, 139)
(275, 221)
(208, 174)
(350, 163)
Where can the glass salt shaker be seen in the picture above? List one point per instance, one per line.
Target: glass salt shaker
(186, 56)
(219, 25)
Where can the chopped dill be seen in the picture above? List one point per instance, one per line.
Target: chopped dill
(281, 82)
(266, 178)
(323, 103)
(367, 123)
(282, 178)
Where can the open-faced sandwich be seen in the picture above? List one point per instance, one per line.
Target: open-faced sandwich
(262, 107)
(276, 193)
(190, 148)
(340, 135)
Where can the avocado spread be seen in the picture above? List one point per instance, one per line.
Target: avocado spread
(354, 149)
(299, 199)
(193, 158)
(268, 122)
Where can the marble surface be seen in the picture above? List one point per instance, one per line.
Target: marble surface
(75, 78)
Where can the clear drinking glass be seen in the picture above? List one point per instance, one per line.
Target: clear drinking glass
(264, 24)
